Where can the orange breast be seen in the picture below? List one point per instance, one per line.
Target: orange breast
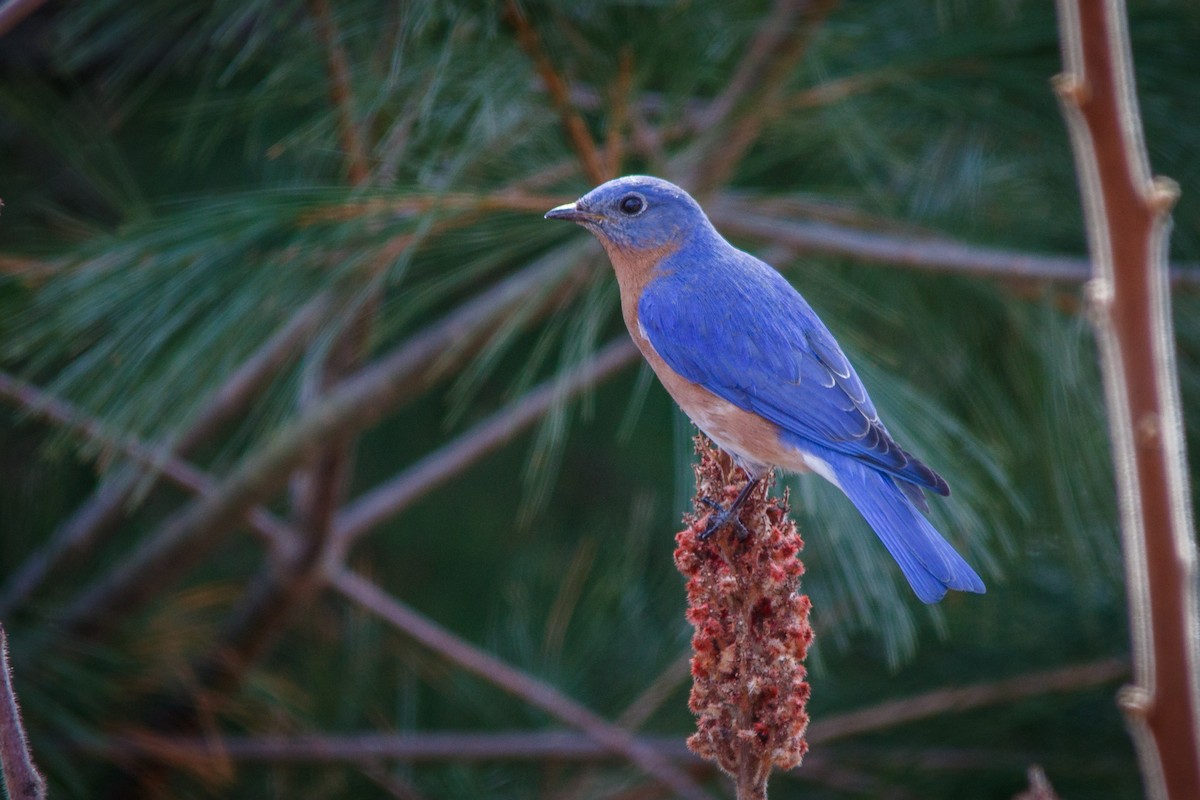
(744, 434)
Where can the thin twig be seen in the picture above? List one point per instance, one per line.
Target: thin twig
(22, 781)
(738, 218)
(573, 124)
(965, 698)
(103, 511)
(619, 118)
(564, 745)
(755, 95)
(14, 12)
(396, 613)
(513, 681)
(396, 494)
(354, 405)
(39, 404)
(341, 91)
(1127, 214)
(740, 214)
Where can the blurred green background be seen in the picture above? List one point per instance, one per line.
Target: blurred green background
(180, 179)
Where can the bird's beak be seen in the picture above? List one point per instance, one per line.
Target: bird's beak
(570, 212)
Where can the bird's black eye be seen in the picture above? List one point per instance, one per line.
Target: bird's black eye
(632, 204)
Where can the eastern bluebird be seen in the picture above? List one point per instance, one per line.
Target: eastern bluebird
(747, 359)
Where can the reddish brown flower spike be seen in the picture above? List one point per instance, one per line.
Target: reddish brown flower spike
(752, 632)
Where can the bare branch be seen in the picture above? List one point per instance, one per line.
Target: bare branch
(513, 681)
(369, 748)
(754, 96)
(619, 118)
(965, 698)
(341, 91)
(14, 12)
(577, 132)
(561, 745)
(22, 781)
(103, 512)
(40, 404)
(1127, 214)
(355, 405)
(738, 218)
(368, 595)
(393, 496)
(1039, 786)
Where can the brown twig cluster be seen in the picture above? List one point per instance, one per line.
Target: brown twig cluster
(749, 687)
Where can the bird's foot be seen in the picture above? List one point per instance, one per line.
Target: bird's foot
(722, 516)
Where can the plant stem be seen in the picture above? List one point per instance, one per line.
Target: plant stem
(1127, 217)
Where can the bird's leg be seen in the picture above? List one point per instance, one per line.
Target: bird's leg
(723, 515)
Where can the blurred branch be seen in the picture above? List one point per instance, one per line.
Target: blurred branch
(621, 98)
(573, 124)
(396, 494)
(966, 698)
(367, 748)
(22, 781)
(1127, 214)
(14, 12)
(740, 214)
(38, 403)
(511, 680)
(374, 599)
(341, 91)
(354, 405)
(101, 513)
(754, 95)
(444, 746)
(738, 217)
(1039, 786)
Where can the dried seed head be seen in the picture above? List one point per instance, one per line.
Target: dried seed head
(751, 628)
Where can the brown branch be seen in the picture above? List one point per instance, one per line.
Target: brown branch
(103, 512)
(766, 219)
(393, 496)
(619, 118)
(739, 218)
(561, 745)
(39, 404)
(22, 781)
(754, 96)
(511, 680)
(362, 591)
(341, 92)
(966, 698)
(1039, 786)
(1127, 218)
(354, 405)
(369, 748)
(14, 12)
(573, 124)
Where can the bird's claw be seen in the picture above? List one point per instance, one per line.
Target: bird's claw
(721, 517)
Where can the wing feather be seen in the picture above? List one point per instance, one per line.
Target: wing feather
(746, 335)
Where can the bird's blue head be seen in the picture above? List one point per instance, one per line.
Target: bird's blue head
(637, 213)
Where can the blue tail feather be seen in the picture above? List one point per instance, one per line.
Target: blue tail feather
(928, 561)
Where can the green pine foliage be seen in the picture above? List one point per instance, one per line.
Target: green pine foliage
(176, 188)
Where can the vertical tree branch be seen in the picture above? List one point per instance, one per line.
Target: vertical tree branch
(1127, 219)
(22, 781)
(755, 94)
(340, 91)
(573, 124)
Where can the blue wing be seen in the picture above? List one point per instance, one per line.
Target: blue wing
(741, 331)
